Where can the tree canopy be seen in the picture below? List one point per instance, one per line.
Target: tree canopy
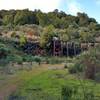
(58, 19)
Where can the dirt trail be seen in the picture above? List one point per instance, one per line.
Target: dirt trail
(12, 84)
(9, 86)
(7, 90)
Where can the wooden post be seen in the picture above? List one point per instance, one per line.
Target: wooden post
(54, 47)
(57, 47)
(74, 50)
(61, 53)
(67, 50)
(60, 48)
(81, 47)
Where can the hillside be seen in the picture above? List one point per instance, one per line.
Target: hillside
(46, 56)
(25, 32)
(57, 18)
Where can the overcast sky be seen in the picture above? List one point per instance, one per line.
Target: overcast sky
(91, 7)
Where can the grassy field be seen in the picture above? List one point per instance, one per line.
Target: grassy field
(46, 82)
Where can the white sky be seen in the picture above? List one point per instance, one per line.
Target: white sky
(73, 7)
(91, 7)
(70, 6)
(44, 5)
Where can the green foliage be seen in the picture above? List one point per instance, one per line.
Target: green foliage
(3, 51)
(83, 19)
(56, 85)
(88, 62)
(37, 59)
(47, 35)
(55, 60)
(87, 36)
(78, 28)
(43, 19)
(14, 58)
(56, 18)
(8, 19)
(8, 53)
(22, 40)
(78, 66)
(64, 35)
(28, 58)
(24, 17)
(68, 92)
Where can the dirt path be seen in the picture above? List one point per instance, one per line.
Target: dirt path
(7, 90)
(12, 83)
(9, 86)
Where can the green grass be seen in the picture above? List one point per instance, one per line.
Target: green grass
(48, 85)
(2, 77)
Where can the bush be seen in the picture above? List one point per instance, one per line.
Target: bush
(54, 60)
(88, 62)
(77, 67)
(4, 51)
(67, 92)
(65, 66)
(72, 70)
(37, 59)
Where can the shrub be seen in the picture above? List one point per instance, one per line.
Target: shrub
(65, 66)
(88, 62)
(54, 60)
(72, 70)
(37, 59)
(77, 67)
(67, 92)
(3, 51)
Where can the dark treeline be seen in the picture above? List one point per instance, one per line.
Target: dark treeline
(58, 19)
